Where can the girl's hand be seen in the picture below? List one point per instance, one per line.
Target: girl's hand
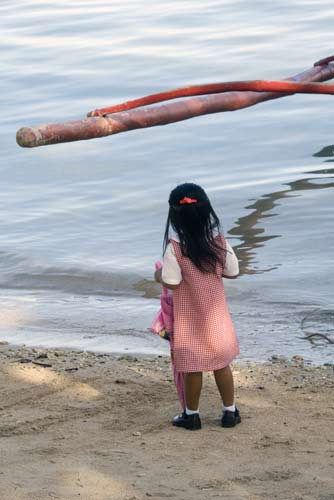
(157, 275)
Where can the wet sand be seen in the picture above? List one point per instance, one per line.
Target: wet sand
(98, 427)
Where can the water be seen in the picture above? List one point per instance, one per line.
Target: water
(82, 223)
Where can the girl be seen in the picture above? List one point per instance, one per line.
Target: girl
(196, 258)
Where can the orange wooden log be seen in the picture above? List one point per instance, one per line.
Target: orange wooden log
(284, 87)
(90, 128)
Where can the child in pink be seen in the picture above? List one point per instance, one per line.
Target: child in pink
(196, 258)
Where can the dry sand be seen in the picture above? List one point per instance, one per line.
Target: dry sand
(97, 427)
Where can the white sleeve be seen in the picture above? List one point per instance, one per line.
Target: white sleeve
(231, 267)
(171, 271)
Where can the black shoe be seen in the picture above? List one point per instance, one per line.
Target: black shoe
(190, 422)
(231, 418)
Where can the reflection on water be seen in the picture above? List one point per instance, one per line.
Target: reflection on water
(324, 171)
(252, 235)
(326, 151)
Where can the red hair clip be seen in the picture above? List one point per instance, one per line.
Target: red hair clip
(187, 201)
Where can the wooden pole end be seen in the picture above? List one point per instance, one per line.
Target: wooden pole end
(26, 137)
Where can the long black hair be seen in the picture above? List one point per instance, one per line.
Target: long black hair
(195, 222)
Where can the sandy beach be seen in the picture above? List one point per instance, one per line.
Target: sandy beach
(94, 426)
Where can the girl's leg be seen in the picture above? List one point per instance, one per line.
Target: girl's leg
(190, 418)
(193, 386)
(224, 381)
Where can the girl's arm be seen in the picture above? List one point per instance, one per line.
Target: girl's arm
(231, 268)
(169, 275)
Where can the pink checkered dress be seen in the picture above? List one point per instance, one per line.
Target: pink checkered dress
(204, 336)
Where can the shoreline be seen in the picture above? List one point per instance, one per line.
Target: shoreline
(97, 426)
(32, 350)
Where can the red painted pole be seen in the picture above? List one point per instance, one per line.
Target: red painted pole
(94, 127)
(284, 87)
